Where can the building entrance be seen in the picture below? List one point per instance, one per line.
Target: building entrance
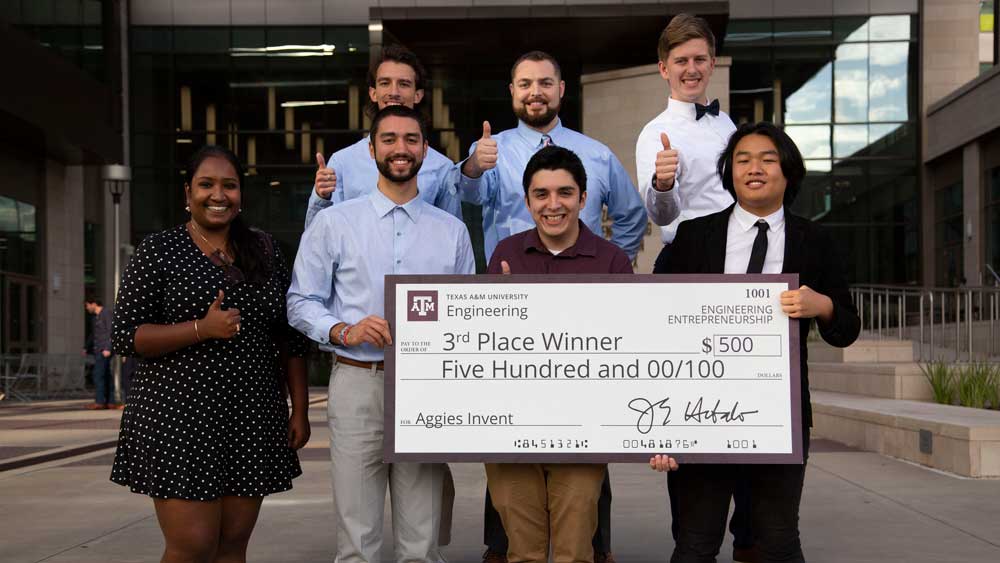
(23, 314)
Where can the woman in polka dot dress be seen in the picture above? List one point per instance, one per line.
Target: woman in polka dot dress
(206, 432)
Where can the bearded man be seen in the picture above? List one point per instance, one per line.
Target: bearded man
(491, 176)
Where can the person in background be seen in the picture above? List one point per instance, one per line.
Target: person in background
(104, 383)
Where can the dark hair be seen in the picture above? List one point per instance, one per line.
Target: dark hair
(397, 54)
(398, 111)
(248, 244)
(555, 158)
(91, 299)
(681, 29)
(537, 56)
(789, 156)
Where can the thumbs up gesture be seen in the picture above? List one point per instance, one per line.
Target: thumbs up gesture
(326, 178)
(219, 322)
(666, 165)
(484, 157)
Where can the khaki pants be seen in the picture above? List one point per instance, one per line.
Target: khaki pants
(539, 501)
(360, 478)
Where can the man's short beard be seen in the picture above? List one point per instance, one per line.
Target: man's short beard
(536, 120)
(385, 169)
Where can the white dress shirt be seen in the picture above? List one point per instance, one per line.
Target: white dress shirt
(741, 234)
(697, 188)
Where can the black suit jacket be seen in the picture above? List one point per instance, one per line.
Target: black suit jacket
(810, 252)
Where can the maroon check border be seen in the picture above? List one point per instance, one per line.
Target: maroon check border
(795, 389)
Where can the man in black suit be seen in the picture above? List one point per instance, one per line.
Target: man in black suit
(763, 170)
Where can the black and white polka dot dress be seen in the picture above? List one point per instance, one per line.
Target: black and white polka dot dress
(209, 420)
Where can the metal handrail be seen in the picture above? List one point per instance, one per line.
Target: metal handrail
(950, 322)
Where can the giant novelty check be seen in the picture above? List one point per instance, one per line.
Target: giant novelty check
(570, 368)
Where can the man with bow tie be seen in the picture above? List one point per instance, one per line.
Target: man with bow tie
(676, 152)
(675, 158)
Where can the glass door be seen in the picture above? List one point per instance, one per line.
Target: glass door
(22, 314)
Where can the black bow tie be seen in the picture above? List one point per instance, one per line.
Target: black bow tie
(712, 108)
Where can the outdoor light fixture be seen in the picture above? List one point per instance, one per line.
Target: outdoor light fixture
(307, 103)
(117, 178)
(323, 50)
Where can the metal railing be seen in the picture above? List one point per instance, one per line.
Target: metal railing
(948, 323)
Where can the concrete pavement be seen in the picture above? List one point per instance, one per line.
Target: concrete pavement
(857, 506)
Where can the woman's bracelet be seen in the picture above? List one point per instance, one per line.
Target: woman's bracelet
(196, 335)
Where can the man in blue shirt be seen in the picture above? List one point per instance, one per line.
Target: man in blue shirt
(395, 78)
(491, 176)
(337, 299)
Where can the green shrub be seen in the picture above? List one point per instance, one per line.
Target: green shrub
(942, 381)
(978, 386)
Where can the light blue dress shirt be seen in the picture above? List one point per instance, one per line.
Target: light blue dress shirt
(346, 252)
(501, 192)
(357, 176)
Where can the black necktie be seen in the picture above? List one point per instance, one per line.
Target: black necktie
(700, 110)
(759, 251)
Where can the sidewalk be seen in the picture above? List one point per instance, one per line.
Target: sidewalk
(857, 506)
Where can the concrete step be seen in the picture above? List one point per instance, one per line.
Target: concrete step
(961, 440)
(887, 350)
(886, 380)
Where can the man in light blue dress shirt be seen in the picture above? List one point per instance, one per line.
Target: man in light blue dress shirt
(492, 175)
(337, 299)
(396, 78)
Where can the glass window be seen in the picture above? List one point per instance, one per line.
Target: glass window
(818, 165)
(151, 39)
(39, 12)
(8, 215)
(201, 40)
(749, 32)
(850, 82)
(811, 101)
(948, 235)
(850, 30)
(888, 85)
(848, 100)
(992, 218)
(813, 200)
(813, 140)
(26, 217)
(893, 140)
(849, 140)
(249, 38)
(804, 31)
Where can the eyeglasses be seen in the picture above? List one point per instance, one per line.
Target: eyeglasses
(233, 275)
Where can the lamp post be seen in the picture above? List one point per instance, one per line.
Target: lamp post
(117, 178)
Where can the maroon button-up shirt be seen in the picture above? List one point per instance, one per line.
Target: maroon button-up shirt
(525, 254)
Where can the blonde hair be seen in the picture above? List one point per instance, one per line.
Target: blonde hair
(681, 29)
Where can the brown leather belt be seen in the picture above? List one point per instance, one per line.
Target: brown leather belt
(363, 365)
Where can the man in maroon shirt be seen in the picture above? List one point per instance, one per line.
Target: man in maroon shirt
(536, 500)
(555, 190)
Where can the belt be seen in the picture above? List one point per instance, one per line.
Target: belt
(358, 364)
